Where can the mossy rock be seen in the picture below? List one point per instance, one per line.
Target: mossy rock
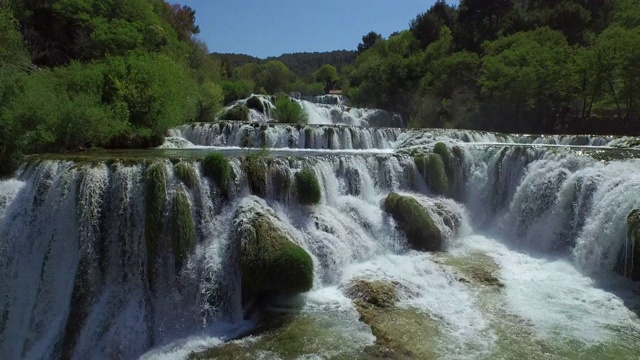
(256, 170)
(270, 262)
(238, 112)
(372, 294)
(633, 225)
(218, 168)
(255, 103)
(308, 187)
(433, 170)
(155, 204)
(400, 333)
(184, 227)
(420, 229)
(187, 173)
(476, 268)
(282, 182)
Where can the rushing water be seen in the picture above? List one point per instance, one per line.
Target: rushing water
(78, 280)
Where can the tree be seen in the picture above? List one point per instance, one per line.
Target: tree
(368, 41)
(327, 75)
(426, 26)
(480, 21)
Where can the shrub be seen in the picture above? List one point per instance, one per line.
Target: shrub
(236, 89)
(218, 168)
(289, 111)
(308, 187)
(187, 173)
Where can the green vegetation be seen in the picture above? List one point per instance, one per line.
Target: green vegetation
(187, 173)
(308, 187)
(184, 228)
(218, 168)
(78, 74)
(509, 66)
(270, 262)
(238, 112)
(369, 294)
(289, 111)
(155, 203)
(432, 168)
(420, 229)
(257, 171)
(633, 224)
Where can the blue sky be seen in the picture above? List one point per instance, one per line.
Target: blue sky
(271, 28)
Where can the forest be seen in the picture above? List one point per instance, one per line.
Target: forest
(537, 66)
(81, 74)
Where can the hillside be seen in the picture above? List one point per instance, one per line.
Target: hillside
(302, 64)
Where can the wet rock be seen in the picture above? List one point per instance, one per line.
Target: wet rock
(419, 227)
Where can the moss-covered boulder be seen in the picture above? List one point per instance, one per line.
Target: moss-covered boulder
(155, 205)
(256, 169)
(238, 112)
(432, 168)
(218, 168)
(368, 294)
(401, 333)
(415, 221)
(633, 225)
(308, 187)
(476, 268)
(255, 103)
(270, 261)
(187, 173)
(183, 227)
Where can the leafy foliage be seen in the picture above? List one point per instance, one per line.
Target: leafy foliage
(289, 111)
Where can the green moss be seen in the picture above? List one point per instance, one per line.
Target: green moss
(633, 224)
(420, 229)
(184, 228)
(433, 170)
(255, 104)
(246, 138)
(238, 112)
(447, 158)
(155, 203)
(281, 182)
(270, 262)
(308, 138)
(367, 294)
(218, 168)
(187, 173)
(308, 187)
(257, 171)
(478, 268)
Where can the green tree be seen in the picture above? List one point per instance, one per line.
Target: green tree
(327, 75)
(368, 41)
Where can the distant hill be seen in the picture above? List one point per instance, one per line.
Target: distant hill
(303, 64)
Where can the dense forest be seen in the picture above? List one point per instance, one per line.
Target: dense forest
(79, 74)
(538, 66)
(302, 64)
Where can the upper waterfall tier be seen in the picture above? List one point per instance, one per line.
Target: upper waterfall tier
(285, 136)
(327, 110)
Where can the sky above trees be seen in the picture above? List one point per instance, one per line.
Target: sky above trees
(262, 29)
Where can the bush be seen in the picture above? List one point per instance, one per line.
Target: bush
(308, 187)
(187, 173)
(208, 103)
(237, 89)
(289, 111)
(218, 168)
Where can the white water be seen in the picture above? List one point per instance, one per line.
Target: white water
(74, 279)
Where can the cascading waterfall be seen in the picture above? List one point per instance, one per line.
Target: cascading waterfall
(95, 263)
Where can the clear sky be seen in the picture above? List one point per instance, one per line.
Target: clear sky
(271, 28)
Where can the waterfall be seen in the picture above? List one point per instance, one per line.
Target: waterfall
(95, 263)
